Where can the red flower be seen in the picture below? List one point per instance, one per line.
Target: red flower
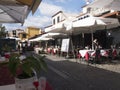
(7, 56)
(36, 84)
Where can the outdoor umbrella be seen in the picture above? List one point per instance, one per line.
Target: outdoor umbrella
(16, 38)
(107, 4)
(13, 14)
(56, 35)
(41, 38)
(91, 24)
(15, 11)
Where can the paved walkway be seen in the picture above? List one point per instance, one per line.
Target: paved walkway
(113, 66)
(71, 75)
(8, 87)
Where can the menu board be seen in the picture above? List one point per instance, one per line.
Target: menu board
(65, 45)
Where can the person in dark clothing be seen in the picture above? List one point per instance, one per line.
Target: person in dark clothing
(97, 48)
(19, 48)
(95, 44)
(23, 47)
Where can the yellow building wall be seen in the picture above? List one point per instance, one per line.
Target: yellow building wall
(32, 31)
(21, 36)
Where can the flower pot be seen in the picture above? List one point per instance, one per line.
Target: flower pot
(25, 84)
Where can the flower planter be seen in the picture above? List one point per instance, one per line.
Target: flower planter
(25, 84)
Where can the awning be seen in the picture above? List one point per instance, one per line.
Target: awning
(107, 4)
(17, 39)
(15, 11)
(41, 38)
(56, 35)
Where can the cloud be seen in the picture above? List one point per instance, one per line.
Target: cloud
(49, 9)
(46, 10)
(42, 18)
(37, 21)
(13, 26)
(59, 1)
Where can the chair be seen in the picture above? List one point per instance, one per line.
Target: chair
(87, 56)
(44, 84)
(114, 53)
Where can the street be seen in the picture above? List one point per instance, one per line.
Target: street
(67, 75)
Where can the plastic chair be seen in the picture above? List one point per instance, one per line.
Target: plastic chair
(43, 84)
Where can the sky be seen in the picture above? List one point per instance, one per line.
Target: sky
(47, 8)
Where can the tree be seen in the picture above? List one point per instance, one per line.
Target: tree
(2, 32)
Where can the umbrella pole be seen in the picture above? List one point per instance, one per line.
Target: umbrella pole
(72, 47)
(92, 38)
(67, 56)
(83, 40)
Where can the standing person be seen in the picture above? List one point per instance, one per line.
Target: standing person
(97, 51)
(19, 47)
(23, 47)
(95, 44)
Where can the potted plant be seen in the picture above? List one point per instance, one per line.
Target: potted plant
(25, 69)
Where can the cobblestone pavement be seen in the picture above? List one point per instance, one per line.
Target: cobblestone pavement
(69, 74)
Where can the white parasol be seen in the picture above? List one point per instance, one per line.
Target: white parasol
(16, 11)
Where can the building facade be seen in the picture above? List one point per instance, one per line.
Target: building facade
(14, 33)
(66, 24)
(112, 34)
(32, 31)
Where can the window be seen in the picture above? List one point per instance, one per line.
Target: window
(86, 16)
(14, 32)
(23, 35)
(58, 19)
(53, 21)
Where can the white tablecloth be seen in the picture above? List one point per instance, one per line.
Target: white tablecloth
(37, 49)
(103, 52)
(83, 52)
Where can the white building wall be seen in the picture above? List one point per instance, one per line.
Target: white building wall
(61, 17)
(85, 10)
